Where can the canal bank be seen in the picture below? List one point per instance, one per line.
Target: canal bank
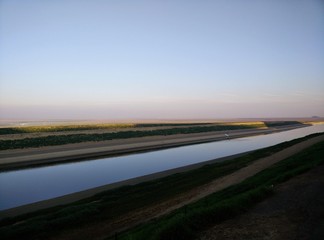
(231, 179)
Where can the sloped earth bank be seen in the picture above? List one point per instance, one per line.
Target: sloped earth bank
(108, 228)
(295, 211)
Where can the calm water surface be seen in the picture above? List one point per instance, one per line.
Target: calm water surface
(31, 185)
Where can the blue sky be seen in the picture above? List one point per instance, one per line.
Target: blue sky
(161, 59)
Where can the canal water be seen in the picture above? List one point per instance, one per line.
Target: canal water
(25, 186)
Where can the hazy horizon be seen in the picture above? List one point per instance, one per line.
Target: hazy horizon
(161, 59)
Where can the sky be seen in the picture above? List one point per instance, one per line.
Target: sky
(179, 59)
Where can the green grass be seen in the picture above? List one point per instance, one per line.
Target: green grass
(113, 203)
(77, 138)
(187, 222)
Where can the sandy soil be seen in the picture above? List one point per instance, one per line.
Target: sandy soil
(106, 228)
(52, 154)
(295, 212)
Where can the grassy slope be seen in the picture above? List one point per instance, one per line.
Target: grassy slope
(113, 203)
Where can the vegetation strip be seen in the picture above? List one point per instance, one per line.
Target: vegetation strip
(80, 127)
(114, 203)
(187, 222)
(116, 126)
(77, 138)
